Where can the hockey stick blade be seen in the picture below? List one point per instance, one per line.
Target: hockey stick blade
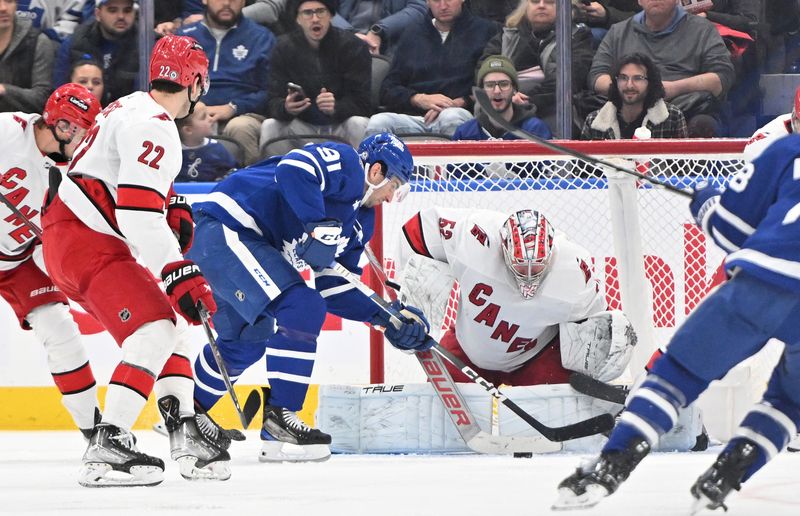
(591, 426)
(486, 105)
(251, 407)
(596, 389)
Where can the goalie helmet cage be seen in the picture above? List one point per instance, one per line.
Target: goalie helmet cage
(651, 260)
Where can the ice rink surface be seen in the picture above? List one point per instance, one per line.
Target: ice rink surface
(38, 476)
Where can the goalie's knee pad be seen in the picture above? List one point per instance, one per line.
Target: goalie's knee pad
(600, 346)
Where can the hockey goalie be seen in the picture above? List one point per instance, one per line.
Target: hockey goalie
(530, 310)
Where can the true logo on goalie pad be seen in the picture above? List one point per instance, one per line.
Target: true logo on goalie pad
(372, 389)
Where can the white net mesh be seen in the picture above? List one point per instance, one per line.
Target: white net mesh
(572, 193)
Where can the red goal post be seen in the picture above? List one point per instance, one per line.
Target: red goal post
(651, 260)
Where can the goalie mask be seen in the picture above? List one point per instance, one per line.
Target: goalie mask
(527, 241)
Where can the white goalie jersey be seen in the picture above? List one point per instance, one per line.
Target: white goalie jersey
(23, 181)
(497, 328)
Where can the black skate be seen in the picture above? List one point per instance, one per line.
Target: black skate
(198, 457)
(725, 474)
(112, 459)
(87, 432)
(600, 478)
(286, 438)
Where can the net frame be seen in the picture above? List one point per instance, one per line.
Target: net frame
(680, 263)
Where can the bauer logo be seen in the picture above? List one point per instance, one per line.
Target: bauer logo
(43, 290)
(83, 106)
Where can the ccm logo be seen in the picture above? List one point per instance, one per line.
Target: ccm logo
(43, 290)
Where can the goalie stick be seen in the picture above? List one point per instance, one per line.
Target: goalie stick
(447, 391)
(486, 105)
(591, 426)
(596, 389)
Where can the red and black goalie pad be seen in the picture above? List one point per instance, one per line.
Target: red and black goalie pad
(186, 286)
(180, 220)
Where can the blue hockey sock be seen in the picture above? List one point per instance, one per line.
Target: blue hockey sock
(209, 386)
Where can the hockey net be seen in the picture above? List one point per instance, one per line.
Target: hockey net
(679, 264)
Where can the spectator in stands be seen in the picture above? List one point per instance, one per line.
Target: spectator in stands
(741, 15)
(170, 15)
(110, 39)
(55, 18)
(428, 85)
(333, 69)
(495, 10)
(89, 74)
(635, 102)
(498, 78)
(695, 64)
(272, 14)
(602, 14)
(529, 40)
(204, 159)
(239, 50)
(26, 62)
(379, 22)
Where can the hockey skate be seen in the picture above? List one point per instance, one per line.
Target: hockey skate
(286, 438)
(87, 432)
(211, 430)
(198, 457)
(599, 478)
(725, 474)
(112, 459)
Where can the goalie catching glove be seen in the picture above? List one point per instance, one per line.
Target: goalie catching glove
(320, 243)
(411, 334)
(180, 220)
(186, 286)
(600, 346)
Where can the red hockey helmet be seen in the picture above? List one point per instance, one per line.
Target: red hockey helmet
(179, 59)
(73, 103)
(796, 112)
(527, 241)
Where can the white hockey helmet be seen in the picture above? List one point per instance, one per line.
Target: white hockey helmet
(527, 240)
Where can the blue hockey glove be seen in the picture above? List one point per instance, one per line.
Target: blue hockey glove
(412, 335)
(319, 244)
(704, 198)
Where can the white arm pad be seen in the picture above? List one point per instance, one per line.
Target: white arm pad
(600, 346)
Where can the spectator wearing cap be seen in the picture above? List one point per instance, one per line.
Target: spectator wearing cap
(111, 40)
(26, 62)
(333, 68)
(528, 39)
(498, 78)
(635, 105)
(238, 51)
(428, 85)
(693, 60)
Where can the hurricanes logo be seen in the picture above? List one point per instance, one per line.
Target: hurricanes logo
(124, 315)
(240, 52)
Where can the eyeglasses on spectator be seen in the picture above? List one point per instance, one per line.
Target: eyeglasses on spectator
(490, 85)
(321, 12)
(638, 79)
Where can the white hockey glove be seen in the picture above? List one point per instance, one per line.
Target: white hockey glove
(600, 346)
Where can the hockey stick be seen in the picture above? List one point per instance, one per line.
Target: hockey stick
(596, 389)
(251, 407)
(21, 216)
(457, 409)
(212, 342)
(591, 426)
(486, 105)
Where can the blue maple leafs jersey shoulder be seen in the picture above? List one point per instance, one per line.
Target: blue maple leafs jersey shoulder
(757, 218)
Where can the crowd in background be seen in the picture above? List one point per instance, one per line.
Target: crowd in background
(283, 71)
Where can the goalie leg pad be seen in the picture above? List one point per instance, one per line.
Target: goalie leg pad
(600, 346)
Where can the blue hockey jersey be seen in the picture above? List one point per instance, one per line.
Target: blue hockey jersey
(756, 220)
(274, 199)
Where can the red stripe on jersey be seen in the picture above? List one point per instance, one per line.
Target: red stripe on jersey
(18, 257)
(135, 197)
(134, 378)
(75, 381)
(413, 232)
(100, 197)
(177, 366)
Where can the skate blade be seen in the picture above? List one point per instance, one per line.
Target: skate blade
(215, 471)
(279, 451)
(160, 428)
(101, 474)
(568, 500)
